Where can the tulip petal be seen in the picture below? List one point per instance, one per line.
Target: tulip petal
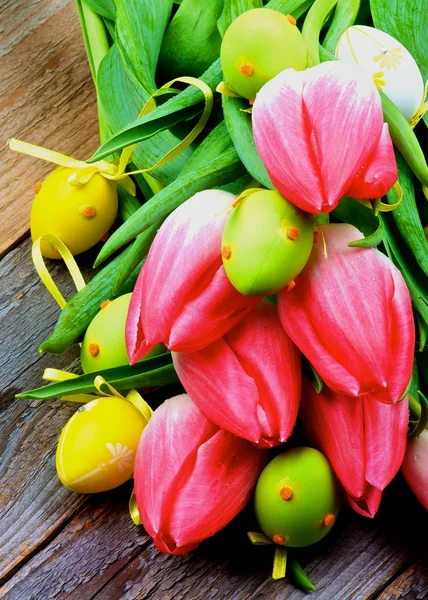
(136, 345)
(185, 247)
(343, 314)
(209, 315)
(336, 425)
(324, 122)
(415, 467)
(368, 505)
(220, 484)
(385, 432)
(271, 359)
(217, 383)
(379, 174)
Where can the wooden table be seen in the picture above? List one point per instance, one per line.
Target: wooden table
(55, 544)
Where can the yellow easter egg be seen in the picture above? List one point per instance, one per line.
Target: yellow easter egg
(96, 449)
(79, 215)
(392, 67)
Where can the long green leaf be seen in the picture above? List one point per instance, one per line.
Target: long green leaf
(286, 7)
(344, 16)
(407, 218)
(140, 26)
(407, 22)
(234, 8)
(218, 171)
(240, 130)
(216, 142)
(122, 98)
(158, 370)
(182, 107)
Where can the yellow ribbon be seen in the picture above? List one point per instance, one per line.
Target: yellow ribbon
(226, 90)
(43, 272)
(421, 110)
(280, 556)
(115, 171)
(378, 206)
(133, 510)
(57, 375)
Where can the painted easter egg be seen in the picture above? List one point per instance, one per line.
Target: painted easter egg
(79, 215)
(96, 449)
(297, 498)
(104, 345)
(258, 45)
(393, 68)
(266, 243)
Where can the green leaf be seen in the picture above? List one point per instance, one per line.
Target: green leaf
(423, 332)
(105, 8)
(122, 99)
(372, 240)
(240, 130)
(423, 416)
(134, 257)
(198, 20)
(407, 22)
(127, 204)
(351, 211)
(406, 215)
(286, 7)
(216, 142)
(140, 26)
(158, 370)
(181, 107)
(344, 16)
(234, 8)
(218, 171)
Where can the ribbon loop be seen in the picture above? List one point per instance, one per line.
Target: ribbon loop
(43, 272)
(133, 510)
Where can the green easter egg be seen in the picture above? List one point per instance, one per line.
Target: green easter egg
(104, 345)
(258, 45)
(266, 243)
(297, 498)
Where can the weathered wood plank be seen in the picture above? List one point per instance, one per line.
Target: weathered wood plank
(46, 97)
(33, 504)
(410, 585)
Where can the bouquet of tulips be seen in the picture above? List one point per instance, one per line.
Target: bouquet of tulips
(272, 259)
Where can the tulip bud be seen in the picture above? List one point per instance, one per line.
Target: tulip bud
(415, 467)
(249, 381)
(191, 477)
(351, 316)
(363, 439)
(313, 149)
(183, 297)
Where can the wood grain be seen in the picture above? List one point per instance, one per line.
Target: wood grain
(410, 585)
(33, 504)
(47, 98)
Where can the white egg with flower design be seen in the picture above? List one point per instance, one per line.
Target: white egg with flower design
(393, 68)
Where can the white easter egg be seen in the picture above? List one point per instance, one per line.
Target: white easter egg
(392, 67)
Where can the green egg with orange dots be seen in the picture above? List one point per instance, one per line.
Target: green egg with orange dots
(79, 215)
(258, 45)
(97, 447)
(297, 498)
(104, 345)
(266, 243)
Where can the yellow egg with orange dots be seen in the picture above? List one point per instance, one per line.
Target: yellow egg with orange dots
(96, 449)
(78, 214)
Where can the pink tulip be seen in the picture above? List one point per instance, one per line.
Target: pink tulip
(379, 174)
(183, 296)
(363, 439)
(191, 477)
(415, 467)
(351, 316)
(249, 381)
(316, 130)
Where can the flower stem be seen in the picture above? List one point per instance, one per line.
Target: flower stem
(312, 27)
